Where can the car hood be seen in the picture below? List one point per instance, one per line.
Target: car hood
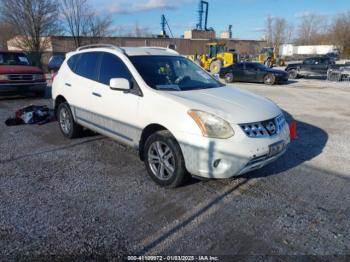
(19, 69)
(294, 65)
(232, 104)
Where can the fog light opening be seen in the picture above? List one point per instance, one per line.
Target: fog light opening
(216, 163)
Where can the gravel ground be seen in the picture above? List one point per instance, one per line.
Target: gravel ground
(91, 198)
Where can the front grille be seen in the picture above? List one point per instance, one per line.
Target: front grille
(257, 160)
(265, 128)
(21, 77)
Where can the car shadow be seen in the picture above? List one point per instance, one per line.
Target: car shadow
(290, 82)
(309, 144)
(314, 77)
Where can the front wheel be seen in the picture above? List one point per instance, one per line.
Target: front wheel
(164, 160)
(269, 79)
(292, 74)
(334, 77)
(68, 126)
(228, 78)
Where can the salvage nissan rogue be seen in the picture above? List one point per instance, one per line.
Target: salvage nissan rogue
(180, 119)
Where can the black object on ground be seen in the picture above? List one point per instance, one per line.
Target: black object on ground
(31, 115)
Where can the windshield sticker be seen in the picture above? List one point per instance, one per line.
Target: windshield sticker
(23, 59)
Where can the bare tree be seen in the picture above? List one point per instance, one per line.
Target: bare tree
(277, 31)
(340, 32)
(139, 31)
(99, 26)
(269, 30)
(289, 33)
(80, 20)
(7, 32)
(310, 28)
(31, 20)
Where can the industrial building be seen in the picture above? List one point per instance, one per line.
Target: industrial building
(62, 44)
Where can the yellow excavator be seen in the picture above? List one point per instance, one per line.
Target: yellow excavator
(269, 57)
(217, 56)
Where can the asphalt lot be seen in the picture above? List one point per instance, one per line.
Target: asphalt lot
(92, 197)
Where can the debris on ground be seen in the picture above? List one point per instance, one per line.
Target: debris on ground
(32, 114)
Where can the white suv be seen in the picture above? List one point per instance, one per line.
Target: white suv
(179, 118)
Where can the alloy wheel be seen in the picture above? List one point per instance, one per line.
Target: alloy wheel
(65, 121)
(161, 160)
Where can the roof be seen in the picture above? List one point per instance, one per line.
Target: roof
(131, 51)
(135, 51)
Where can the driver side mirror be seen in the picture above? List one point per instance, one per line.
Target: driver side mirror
(121, 84)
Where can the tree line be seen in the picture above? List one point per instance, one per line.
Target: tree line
(32, 20)
(312, 29)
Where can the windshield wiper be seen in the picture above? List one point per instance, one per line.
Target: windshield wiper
(168, 87)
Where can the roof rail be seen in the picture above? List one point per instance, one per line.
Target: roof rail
(162, 48)
(101, 46)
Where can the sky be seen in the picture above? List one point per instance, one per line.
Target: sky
(246, 16)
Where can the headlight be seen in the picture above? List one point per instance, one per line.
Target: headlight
(3, 77)
(38, 77)
(211, 125)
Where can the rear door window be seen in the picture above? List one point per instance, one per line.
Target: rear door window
(87, 65)
(112, 67)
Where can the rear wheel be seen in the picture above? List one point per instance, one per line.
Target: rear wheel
(215, 66)
(269, 79)
(164, 160)
(228, 78)
(292, 74)
(68, 126)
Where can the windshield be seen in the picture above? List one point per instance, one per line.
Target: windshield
(13, 59)
(173, 73)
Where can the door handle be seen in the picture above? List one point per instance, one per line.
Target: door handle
(96, 94)
(68, 84)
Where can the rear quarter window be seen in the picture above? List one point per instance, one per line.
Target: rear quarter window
(72, 61)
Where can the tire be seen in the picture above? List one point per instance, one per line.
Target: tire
(68, 126)
(269, 79)
(228, 78)
(292, 74)
(334, 77)
(164, 160)
(215, 66)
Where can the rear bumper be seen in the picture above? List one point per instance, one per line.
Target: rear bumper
(22, 87)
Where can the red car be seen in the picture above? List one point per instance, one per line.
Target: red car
(17, 76)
